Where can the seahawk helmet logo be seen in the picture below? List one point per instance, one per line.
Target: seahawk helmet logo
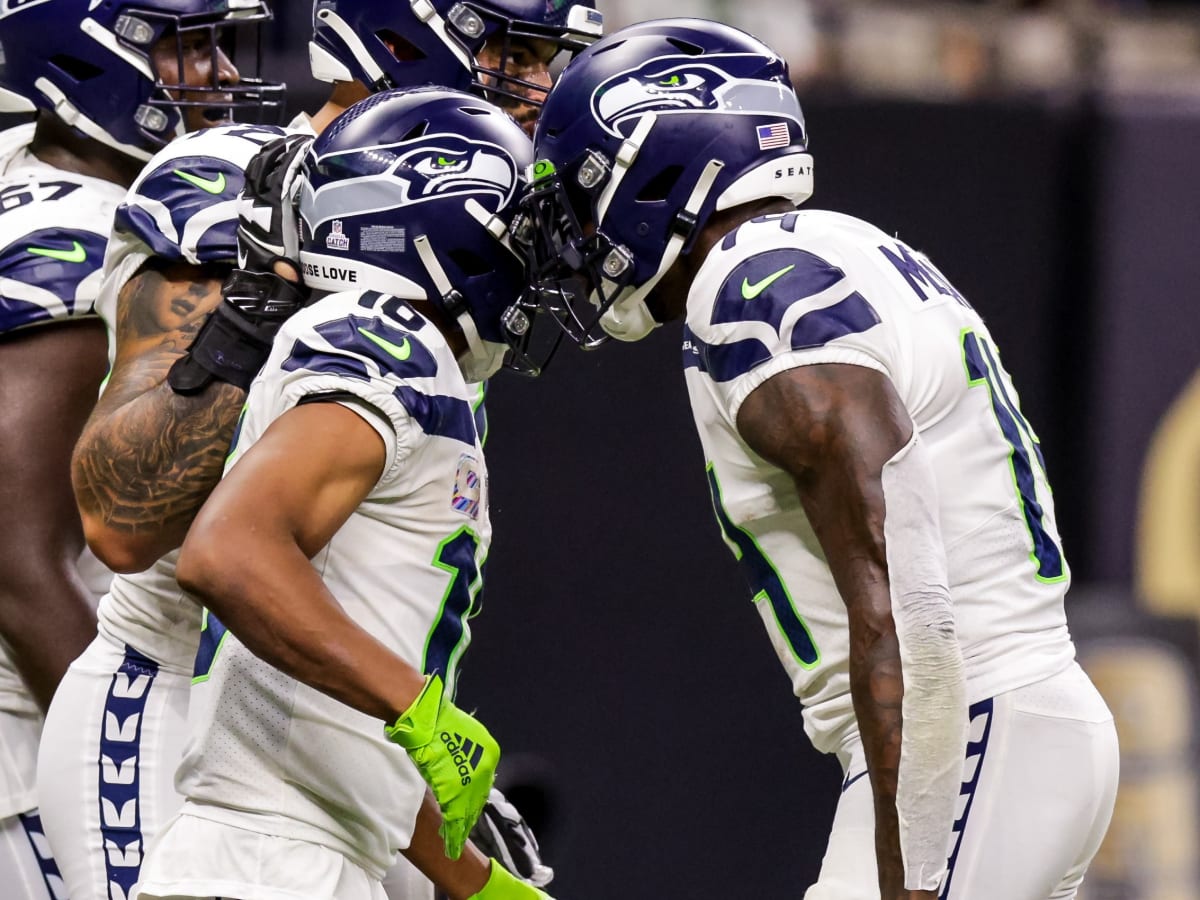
(719, 82)
(374, 179)
(437, 165)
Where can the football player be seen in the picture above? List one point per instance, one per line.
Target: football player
(154, 447)
(869, 464)
(108, 86)
(340, 557)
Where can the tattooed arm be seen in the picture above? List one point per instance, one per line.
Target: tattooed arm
(148, 457)
(832, 428)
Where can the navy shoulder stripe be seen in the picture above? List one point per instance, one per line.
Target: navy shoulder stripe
(186, 186)
(725, 362)
(323, 362)
(395, 352)
(356, 339)
(819, 327)
(763, 287)
(54, 260)
(439, 415)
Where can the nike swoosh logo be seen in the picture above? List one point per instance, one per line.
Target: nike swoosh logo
(212, 185)
(401, 352)
(849, 781)
(750, 291)
(75, 255)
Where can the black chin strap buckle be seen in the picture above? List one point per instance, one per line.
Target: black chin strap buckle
(684, 223)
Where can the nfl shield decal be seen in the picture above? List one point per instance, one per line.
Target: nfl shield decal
(467, 487)
(337, 240)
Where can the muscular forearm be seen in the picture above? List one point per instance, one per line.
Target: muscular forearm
(271, 597)
(148, 457)
(877, 689)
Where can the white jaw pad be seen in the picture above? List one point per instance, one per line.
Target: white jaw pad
(325, 66)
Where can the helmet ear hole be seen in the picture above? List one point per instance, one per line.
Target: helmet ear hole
(401, 49)
(469, 263)
(686, 46)
(74, 68)
(416, 131)
(660, 186)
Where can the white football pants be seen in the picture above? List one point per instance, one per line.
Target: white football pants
(113, 738)
(1039, 784)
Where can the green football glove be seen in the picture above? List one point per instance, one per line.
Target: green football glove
(454, 754)
(503, 885)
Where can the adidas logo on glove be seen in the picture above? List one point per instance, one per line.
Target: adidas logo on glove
(465, 753)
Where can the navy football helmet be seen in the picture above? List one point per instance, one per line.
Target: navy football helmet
(90, 63)
(646, 135)
(411, 192)
(407, 43)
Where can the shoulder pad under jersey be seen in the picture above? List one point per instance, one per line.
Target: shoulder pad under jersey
(772, 296)
(53, 229)
(183, 205)
(368, 338)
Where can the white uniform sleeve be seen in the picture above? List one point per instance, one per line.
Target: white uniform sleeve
(52, 238)
(776, 310)
(324, 372)
(345, 348)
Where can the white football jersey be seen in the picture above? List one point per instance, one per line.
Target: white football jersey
(270, 754)
(812, 287)
(53, 228)
(181, 208)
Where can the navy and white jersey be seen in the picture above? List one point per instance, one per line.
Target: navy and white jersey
(181, 208)
(53, 228)
(267, 753)
(811, 287)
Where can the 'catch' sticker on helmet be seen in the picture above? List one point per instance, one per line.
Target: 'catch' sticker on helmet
(336, 239)
(426, 168)
(720, 83)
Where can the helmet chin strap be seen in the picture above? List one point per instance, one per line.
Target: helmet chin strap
(427, 13)
(482, 359)
(626, 154)
(628, 318)
(339, 27)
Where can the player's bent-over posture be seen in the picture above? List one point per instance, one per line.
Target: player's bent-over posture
(109, 86)
(869, 464)
(340, 556)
